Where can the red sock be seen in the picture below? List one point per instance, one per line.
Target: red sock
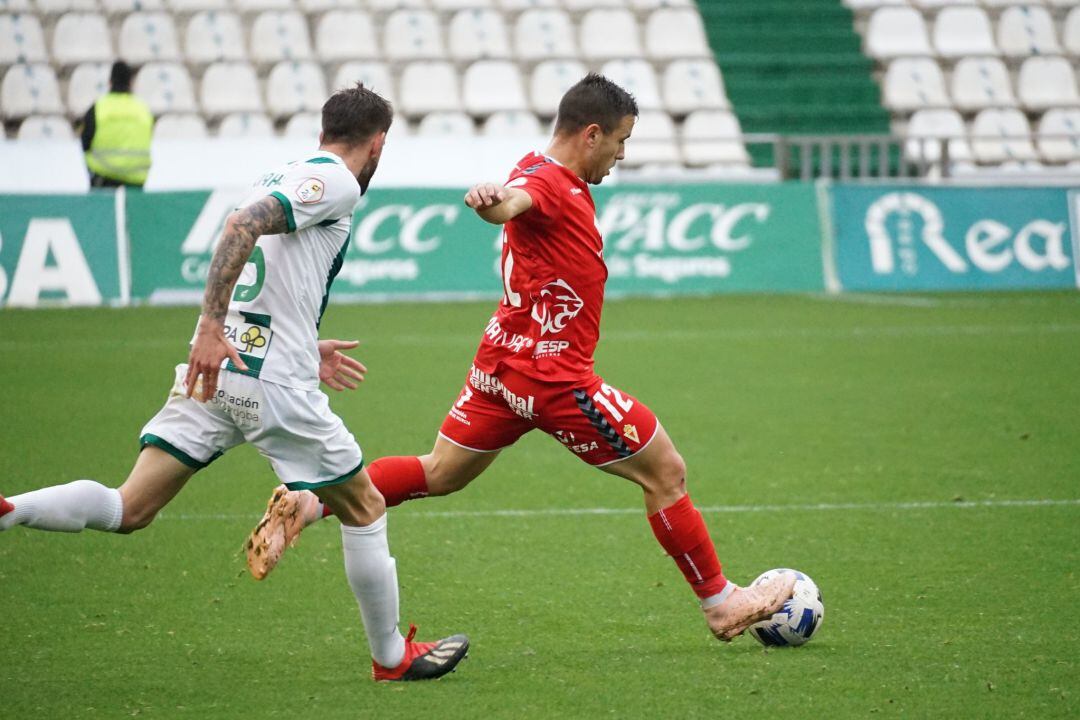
(681, 531)
(397, 478)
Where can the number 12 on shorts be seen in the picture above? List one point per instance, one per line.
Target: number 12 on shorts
(604, 397)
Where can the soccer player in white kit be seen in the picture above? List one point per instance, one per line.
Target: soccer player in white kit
(253, 376)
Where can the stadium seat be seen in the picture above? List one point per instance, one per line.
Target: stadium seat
(230, 87)
(999, 135)
(520, 5)
(16, 6)
(345, 35)
(413, 35)
(59, 7)
(929, 128)
(896, 32)
(374, 75)
(165, 87)
(543, 34)
(713, 137)
(124, 7)
(675, 33)
(583, 5)
(653, 141)
(693, 85)
(213, 36)
(81, 37)
(148, 36)
(476, 34)
(862, 6)
(605, 34)
(293, 87)
(979, 83)
(429, 87)
(963, 31)
(180, 127)
(1059, 135)
(446, 6)
(914, 83)
(513, 123)
(1070, 32)
(1024, 31)
(1006, 3)
(647, 5)
(1046, 82)
(307, 125)
(936, 5)
(45, 127)
(446, 124)
(493, 85)
(21, 40)
(637, 77)
(278, 35)
(550, 81)
(88, 82)
(30, 89)
(384, 6)
(314, 7)
(187, 7)
(246, 125)
(248, 7)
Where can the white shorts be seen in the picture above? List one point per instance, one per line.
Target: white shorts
(308, 446)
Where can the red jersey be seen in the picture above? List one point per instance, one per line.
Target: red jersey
(553, 270)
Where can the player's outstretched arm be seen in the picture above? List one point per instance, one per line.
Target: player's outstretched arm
(242, 229)
(497, 204)
(338, 370)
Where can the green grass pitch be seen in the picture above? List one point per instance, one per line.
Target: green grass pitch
(887, 446)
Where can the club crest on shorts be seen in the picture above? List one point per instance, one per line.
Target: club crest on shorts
(311, 190)
(630, 431)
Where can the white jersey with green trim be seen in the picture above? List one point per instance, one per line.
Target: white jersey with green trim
(282, 292)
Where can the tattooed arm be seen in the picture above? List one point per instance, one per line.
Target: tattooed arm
(242, 229)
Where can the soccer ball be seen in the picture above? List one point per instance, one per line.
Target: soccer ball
(798, 620)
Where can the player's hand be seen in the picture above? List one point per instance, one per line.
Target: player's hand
(484, 195)
(337, 369)
(208, 351)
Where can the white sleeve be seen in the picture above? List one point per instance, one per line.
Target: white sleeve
(316, 196)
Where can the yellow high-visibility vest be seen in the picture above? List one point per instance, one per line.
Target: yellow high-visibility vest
(120, 149)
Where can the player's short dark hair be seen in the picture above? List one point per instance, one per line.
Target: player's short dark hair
(594, 99)
(354, 114)
(120, 77)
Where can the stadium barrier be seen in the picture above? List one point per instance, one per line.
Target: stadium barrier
(119, 247)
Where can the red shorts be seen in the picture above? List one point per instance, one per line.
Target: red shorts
(596, 422)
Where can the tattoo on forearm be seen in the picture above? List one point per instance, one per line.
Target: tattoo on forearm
(244, 228)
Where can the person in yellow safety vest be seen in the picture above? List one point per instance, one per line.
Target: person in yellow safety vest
(116, 134)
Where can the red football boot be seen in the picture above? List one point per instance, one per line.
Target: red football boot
(424, 661)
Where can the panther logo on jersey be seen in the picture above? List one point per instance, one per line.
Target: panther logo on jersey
(557, 305)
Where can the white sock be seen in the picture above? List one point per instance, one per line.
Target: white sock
(372, 575)
(67, 508)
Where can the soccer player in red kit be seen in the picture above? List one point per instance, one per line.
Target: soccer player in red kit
(534, 366)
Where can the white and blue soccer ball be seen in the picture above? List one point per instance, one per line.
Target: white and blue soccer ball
(800, 617)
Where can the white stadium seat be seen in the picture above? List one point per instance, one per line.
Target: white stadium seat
(896, 32)
(452, 5)
(374, 75)
(583, 5)
(929, 128)
(607, 34)
(345, 35)
(45, 127)
(914, 83)
(278, 35)
(213, 36)
(88, 82)
(713, 137)
(165, 87)
(30, 89)
(638, 78)
(1059, 135)
(1024, 31)
(935, 5)
(543, 34)
(294, 87)
(675, 33)
(491, 86)
(653, 141)
(1046, 82)
(1070, 32)
(512, 123)
(979, 83)
(646, 5)
(180, 127)
(871, 5)
(59, 7)
(1006, 3)
(305, 124)
(476, 34)
(384, 6)
(413, 35)
(230, 87)
(81, 37)
(16, 6)
(446, 124)
(691, 85)
(1000, 135)
(963, 31)
(123, 7)
(314, 7)
(520, 5)
(148, 36)
(186, 7)
(258, 6)
(429, 87)
(247, 125)
(21, 40)
(550, 81)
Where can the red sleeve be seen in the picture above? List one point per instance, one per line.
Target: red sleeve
(544, 198)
